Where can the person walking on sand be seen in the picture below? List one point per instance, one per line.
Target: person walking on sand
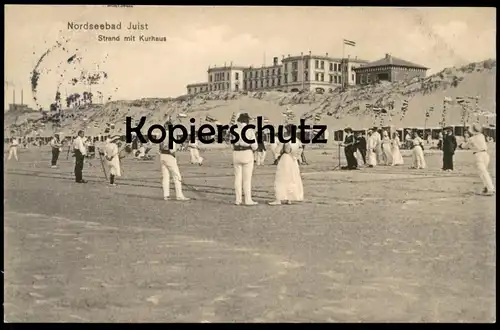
(418, 160)
(194, 152)
(371, 154)
(386, 148)
(397, 158)
(112, 155)
(288, 182)
(243, 160)
(169, 169)
(56, 146)
(14, 143)
(449, 145)
(477, 143)
(80, 152)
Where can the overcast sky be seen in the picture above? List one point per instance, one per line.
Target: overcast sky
(203, 36)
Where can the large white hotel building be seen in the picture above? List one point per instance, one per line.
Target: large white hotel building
(294, 73)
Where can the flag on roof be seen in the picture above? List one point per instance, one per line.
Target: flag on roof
(349, 43)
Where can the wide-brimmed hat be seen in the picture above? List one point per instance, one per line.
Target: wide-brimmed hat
(348, 130)
(243, 118)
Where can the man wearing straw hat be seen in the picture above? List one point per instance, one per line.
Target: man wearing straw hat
(169, 168)
(112, 154)
(477, 142)
(243, 161)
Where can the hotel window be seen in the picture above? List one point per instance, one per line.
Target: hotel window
(306, 76)
(267, 73)
(267, 83)
(306, 64)
(316, 64)
(340, 80)
(279, 81)
(279, 71)
(335, 67)
(210, 78)
(294, 65)
(227, 85)
(272, 82)
(228, 77)
(262, 73)
(331, 78)
(273, 72)
(285, 66)
(294, 77)
(286, 79)
(331, 66)
(262, 83)
(322, 65)
(335, 80)
(237, 75)
(317, 77)
(322, 76)
(352, 76)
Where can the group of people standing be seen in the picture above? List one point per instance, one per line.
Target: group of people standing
(377, 149)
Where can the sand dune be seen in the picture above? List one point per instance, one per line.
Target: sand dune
(337, 109)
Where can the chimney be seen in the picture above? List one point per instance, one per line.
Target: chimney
(275, 61)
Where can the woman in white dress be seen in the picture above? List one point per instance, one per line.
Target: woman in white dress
(371, 155)
(288, 182)
(397, 158)
(386, 149)
(418, 160)
(112, 154)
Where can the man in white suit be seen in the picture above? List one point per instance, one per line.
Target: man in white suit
(169, 168)
(243, 161)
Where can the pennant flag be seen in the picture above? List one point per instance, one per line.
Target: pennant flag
(210, 119)
(349, 43)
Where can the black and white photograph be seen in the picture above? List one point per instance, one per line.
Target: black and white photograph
(246, 164)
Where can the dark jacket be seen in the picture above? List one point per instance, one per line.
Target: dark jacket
(449, 144)
(350, 143)
(361, 143)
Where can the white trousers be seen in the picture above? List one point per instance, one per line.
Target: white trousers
(195, 156)
(482, 162)
(12, 152)
(169, 168)
(243, 169)
(261, 157)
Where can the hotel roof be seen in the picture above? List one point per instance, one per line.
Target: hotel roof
(390, 60)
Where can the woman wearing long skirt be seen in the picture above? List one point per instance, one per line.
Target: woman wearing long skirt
(288, 183)
(397, 158)
(418, 160)
(386, 149)
(371, 155)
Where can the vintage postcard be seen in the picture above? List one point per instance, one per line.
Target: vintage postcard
(249, 164)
